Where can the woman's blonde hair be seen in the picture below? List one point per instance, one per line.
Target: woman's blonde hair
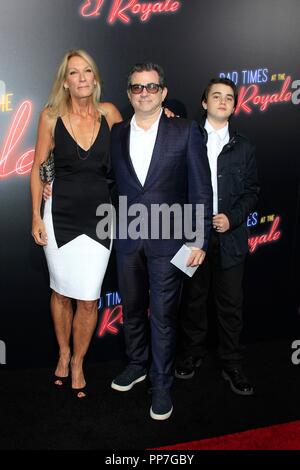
(59, 99)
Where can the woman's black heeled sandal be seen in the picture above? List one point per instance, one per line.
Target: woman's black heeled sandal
(62, 380)
(77, 391)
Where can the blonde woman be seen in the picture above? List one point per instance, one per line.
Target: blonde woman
(77, 127)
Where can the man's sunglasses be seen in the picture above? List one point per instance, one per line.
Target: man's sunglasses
(137, 89)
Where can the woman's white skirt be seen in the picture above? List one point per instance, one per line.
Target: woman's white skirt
(77, 268)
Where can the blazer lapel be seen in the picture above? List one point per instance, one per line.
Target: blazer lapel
(126, 154)
(158, 146)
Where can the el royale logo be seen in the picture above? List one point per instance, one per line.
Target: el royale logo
(5, 99)
(10, 163)
(123, 10)
(251, 95)
(274, 234)
(112, 315)
(111, 321)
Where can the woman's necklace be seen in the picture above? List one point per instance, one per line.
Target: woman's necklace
(77, 146)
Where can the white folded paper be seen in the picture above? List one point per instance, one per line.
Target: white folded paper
(180, 259)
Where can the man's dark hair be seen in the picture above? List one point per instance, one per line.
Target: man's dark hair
(148, 67)
(224, 81)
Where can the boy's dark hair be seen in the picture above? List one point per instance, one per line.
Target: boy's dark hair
(224, 81)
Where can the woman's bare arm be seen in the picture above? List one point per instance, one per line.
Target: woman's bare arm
(42, 149)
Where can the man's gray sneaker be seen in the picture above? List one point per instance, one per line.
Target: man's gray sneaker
(128, 378)
(161, 404)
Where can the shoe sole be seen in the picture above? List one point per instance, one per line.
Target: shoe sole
(160, 417)
(191, 375)
(233, 388)
(125, 388)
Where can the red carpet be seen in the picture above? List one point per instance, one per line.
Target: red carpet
(279, 437)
